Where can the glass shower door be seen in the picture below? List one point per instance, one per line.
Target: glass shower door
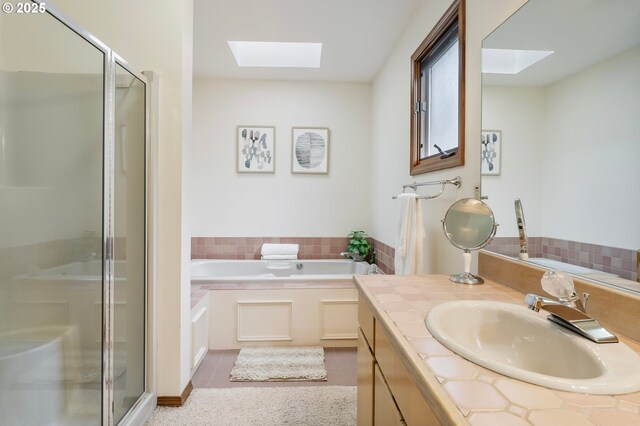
(51, 223)
(129, 241)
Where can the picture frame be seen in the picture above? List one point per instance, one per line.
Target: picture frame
(310, 150)
(255, 149)
(491, 152)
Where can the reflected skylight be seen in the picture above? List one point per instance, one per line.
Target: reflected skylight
(510, 61)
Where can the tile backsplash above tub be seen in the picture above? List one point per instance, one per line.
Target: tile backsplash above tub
(248, 248)
(385, 256)
(601, 258)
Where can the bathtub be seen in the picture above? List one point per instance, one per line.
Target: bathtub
(66, 294)
(604, 277)
(248, 271)
(27, 352)
(570, 268)
(76, 271)
(260, 302)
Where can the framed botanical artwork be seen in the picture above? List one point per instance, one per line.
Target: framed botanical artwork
(491, 152)
(256, 149)
(310, 150)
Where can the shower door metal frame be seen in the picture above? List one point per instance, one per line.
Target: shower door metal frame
(108, 209)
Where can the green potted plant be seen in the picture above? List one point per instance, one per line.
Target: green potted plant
(359, 245)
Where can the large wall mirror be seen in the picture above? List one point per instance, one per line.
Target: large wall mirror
(561, 129)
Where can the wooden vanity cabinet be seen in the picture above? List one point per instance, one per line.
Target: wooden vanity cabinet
(366, 364)
(387, 395)
(386, 411)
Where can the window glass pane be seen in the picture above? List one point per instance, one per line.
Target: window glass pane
(443, 100)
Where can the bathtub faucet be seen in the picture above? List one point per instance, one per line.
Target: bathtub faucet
(522, 231)
(357, 257)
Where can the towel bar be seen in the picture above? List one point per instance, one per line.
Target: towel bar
(455, 181)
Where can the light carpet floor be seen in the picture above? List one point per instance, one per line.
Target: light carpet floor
(292, 363)
(308, 406)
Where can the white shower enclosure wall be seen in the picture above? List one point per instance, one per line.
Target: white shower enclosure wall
(73, 255)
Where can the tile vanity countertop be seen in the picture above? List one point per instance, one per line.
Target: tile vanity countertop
(471, 394)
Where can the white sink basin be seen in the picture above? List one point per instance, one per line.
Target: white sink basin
(520, 343)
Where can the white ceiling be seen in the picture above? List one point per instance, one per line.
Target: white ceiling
(580, 32)
(357, 35)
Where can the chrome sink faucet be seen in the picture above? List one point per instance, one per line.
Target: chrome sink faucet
(570, 313)
(536, 302)
(357, 257)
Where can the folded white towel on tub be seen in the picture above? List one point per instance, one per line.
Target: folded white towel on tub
(279, 249)
(280, 257)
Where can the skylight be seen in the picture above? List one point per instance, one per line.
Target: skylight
(276, 54)
(510, 61)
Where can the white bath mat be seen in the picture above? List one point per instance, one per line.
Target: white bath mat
(294, 363)
(266, 406)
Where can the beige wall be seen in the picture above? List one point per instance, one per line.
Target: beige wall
(155, 35)
(390, 129)
(226, 203)
(598, 110)
(51, 156)
(518, 113)
(185, 232)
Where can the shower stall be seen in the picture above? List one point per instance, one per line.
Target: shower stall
(73, 225)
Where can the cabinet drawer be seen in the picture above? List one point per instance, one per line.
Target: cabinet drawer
(365, 382)
(386, 411)
(410, 400)
(366, 321)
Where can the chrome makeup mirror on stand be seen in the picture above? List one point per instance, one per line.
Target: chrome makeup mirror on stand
(469, 224)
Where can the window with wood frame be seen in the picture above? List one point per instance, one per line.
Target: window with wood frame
(437, 95)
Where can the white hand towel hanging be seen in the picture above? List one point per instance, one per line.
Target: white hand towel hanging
(409, 236)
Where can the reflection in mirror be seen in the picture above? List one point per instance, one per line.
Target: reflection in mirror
(570, 135)
(469, 224)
